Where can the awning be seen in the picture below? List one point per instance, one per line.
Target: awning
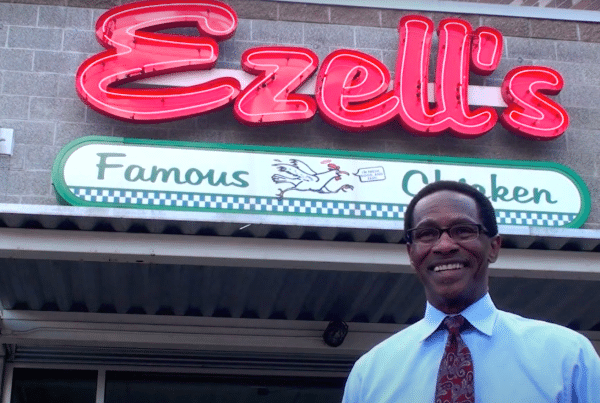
(143, 280)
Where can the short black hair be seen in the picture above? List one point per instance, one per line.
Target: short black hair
(486, 210)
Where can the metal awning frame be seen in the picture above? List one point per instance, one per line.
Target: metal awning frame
(19, 243)
(157, 332)
(122, 220)
(186, 333)
(34, 328)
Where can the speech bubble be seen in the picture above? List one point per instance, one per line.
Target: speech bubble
(371, 174)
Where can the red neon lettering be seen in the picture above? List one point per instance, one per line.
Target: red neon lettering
(486, 50)
(269, 98)
(451, 111)
(351, 91)
(137, 51)
(530, 113)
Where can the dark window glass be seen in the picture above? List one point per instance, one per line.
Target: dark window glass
(182, 388)
(53, 386)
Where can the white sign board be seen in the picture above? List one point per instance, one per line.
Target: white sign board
(112, 172)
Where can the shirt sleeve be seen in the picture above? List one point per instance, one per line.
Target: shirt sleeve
(586, 375)
(353, 385)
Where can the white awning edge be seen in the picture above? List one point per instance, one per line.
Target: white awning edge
(18, 243)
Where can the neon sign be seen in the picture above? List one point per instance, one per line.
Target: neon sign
(353, 90)
(270, 98)
(530, 113)
(452, 76)
(135, 51)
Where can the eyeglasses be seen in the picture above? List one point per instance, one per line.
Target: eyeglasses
(458, 232)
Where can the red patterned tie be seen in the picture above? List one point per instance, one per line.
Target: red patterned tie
(455, 377)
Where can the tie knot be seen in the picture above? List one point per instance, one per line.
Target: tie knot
(453, 323)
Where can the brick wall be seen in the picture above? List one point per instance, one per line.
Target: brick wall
(41, 47)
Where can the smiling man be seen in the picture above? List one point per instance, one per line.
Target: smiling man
(465, 349)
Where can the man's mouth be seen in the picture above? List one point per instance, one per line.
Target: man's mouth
(446, 267)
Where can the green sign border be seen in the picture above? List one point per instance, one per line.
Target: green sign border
(65, 196)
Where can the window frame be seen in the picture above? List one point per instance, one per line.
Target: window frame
(7, 381)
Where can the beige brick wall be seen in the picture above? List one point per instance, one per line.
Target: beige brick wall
(42, 45)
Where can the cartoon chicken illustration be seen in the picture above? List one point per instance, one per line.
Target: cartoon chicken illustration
(303, 178)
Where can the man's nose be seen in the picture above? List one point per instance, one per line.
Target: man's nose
(445, 244)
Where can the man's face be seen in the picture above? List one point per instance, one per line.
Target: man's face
(454, 273)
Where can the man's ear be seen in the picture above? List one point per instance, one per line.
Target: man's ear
(495, 244)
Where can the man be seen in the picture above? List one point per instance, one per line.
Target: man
(464, 349)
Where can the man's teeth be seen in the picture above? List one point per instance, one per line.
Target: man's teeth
(453, 266)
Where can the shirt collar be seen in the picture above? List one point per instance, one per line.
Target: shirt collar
(481, 315)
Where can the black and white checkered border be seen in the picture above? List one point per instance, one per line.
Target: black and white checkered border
(245, 204)
(248, 204)
(507, 217)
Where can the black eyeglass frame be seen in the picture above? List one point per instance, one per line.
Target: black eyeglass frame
(480, 230)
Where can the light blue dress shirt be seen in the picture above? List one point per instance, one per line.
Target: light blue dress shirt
(515, 360)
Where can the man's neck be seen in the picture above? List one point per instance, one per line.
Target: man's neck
(454, 307)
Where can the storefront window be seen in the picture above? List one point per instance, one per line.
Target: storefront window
(53, 386)
(181, 388)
